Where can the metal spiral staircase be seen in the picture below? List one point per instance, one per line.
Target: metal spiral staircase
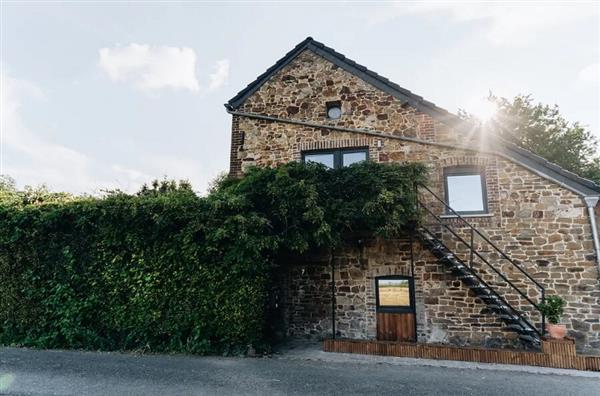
(435, 230)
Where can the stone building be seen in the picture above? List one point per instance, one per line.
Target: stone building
(503, 226)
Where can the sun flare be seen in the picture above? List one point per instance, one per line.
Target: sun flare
(484, 109)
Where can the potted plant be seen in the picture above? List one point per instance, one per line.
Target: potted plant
(553, 310)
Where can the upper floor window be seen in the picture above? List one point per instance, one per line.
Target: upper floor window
(465, 190)
(334, 110)
(337, 158)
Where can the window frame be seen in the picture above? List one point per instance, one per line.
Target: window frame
(396, 308)
(466, 170)
(338, 154)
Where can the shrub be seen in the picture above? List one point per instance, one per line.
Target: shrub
(552, 308)
(166, 270)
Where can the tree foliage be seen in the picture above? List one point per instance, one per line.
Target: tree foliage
(167, 270)
(9, 194)
(543, 130)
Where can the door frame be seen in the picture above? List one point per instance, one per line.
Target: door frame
(398, 309)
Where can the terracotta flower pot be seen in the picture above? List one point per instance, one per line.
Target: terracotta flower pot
(556, 331)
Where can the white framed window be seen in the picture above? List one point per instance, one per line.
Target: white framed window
(466, 190)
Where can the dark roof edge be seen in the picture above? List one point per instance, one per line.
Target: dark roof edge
(585, 186)
(352, 67)
(241, 96)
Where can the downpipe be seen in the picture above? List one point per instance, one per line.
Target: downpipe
(591, 204)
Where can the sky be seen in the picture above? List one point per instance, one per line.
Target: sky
(104, 95)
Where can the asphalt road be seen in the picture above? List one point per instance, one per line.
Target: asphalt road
(31, 372)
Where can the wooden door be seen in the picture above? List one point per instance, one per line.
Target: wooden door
(396, 326)
(395, 308)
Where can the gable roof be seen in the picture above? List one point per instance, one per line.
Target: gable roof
(360, 71)
(519, 155)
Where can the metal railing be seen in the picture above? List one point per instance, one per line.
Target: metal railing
(474, 253)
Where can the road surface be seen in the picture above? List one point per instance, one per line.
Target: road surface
(34, 372)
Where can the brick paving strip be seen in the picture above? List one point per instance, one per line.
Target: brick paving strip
(555, 353)
(315, 351)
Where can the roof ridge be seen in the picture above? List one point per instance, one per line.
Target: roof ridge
(365, 69)
(346, 63)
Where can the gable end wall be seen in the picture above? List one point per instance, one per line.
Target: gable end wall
(537, 222)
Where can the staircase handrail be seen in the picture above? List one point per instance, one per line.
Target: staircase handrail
(484, 238)
(481, 281)
(496, 248)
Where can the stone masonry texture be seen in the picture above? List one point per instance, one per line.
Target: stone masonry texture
(541, 225)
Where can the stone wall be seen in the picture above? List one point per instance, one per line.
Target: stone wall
(542, 225)
(447, 311)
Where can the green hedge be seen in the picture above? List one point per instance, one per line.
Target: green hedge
(166, 270)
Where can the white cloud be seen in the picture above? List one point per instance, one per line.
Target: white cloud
(511, 23)
(590, 73)
(219, 77)
(176, 167)
(134, 179)
(133, 174)
(151, 165)
(31, 157)
(34, 159)
(149, 68)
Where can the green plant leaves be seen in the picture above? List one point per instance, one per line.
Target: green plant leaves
(167, 270)
(553, 308)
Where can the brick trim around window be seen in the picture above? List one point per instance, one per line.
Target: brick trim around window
(335, 144)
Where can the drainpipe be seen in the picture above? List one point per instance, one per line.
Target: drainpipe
(332, 263)
(591, 204)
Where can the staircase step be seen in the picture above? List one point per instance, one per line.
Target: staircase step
(529, 339)
(458, 266)
(472, 282)
(515, 327)
(520, 328)
(498, 307)
(490, 297)
(528, 330)
(511, 318)
(493, 301)
(426, 235)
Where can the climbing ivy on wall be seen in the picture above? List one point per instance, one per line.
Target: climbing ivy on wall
(167, 270)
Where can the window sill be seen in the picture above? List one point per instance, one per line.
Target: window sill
(451, 216)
